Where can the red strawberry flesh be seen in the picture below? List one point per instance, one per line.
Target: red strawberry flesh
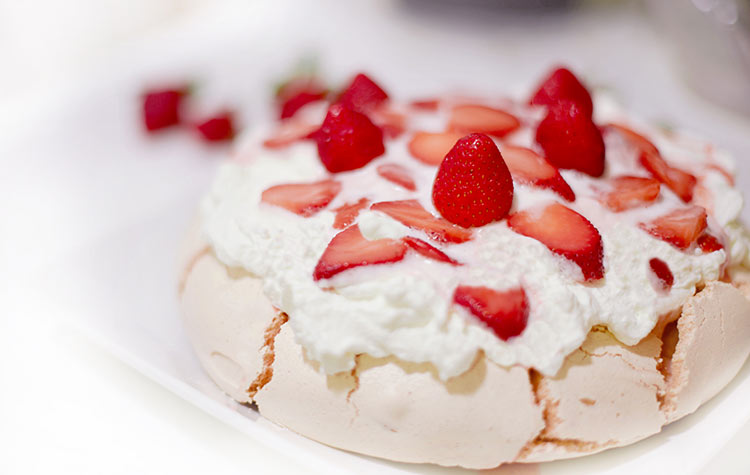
(628, 192)
(348, 140)
(431, 148)
(304, 199)
(506, 312)
(662, 277)
(349, 249)
(347, 213)
(219, 128)
(680, 227)
(429, 251)
(298, 101)
(560, 85)
(410, 213)
(467, 119)
(709, 243)
(528, 167)
(397, 174)
(290, 132)
(362, 94)
(161, 109)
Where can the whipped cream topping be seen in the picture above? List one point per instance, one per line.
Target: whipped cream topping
(405, 308)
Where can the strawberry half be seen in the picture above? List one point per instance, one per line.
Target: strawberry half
(661, 276)
(348, 140)
(563, 85)
(347, 213)
(289, 132)
(397, 174)
(709, 243)
(467, 119)
(431, 148)
(161, 109)
(680, 227)
(565, 233)
(305, 199)
(506, 312)
(626, 192)
(571, 140)
(528, 167)
(429, 251)
(349, 249)
(219, 128)
(410, 213)
(363, 94)
(473, 186)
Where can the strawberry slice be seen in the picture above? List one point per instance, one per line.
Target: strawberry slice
(161, 108)
(363, 94)
(506, 312)
(393, 123)
(349, 249)
(471, 118)
(427, 105)
(661, 276)
(397, 174)
(348, 140)
(410, 213)
(680, 228)
(431, 148)
(560, 85)
(289, 132)
(298, 101)
(429, 251)
(709, 243)
(528, 167)
(305, 199)
(565, 233)
(347, 213)
(628, 192)
(219, 128)
(571, 140)
(473, 186)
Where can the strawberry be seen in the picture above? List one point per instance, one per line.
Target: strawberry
(391, 122)
(427, 105)
(628, 192)
(348, 140)
(662, 278)
(161, 108)
(565, 233)
(431, 148)
(529, 168)
(299, 100)
(349, 249)
(305, 199)
(297, 92)
(363, 94)
(410, 213)
(429, 251)
(219, 128)
(680, 227)
(473, 186)
(467, 119)
(347, 213)
(506, 312)
(709, 243)
(289, 132)
(397, 174)
(561, 85)
(571, 140)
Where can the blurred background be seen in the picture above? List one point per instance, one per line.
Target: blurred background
(78, 168)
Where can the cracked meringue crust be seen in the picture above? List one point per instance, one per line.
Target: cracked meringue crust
(606, 394)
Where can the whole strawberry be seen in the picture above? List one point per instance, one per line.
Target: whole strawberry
(362, 94)
(348, 140)
(473, 186)
(562, 85)
(570, 139)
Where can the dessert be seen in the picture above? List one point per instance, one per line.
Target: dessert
(467, 281)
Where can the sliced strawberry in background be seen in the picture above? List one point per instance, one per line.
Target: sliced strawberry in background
(348, 140)
(565, 233)
(528, 167)
(397, 174)
(219, 128)
(680, 227)
(634, 138)
(506, 312)
(289, 132)
(709, 243)
(571, 140)
(298, 101)
(429, 251)
(349, 249)
(626, 192)
(427, 105)
(305, 199)
(467, 119)
(392, 122)
(347, 213)
(561, 85)
(410, 213)
(362, 94)
(431, 148)
(161, 108)
(473, 186)
(661, 276)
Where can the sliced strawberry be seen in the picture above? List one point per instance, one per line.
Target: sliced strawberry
(348, 140)
(506, 312)
(560, 85)
(467, 119)
(680, 227)
(661, 276)
(347, 213)
(410, 213)
(298, 101)
(709, 243)
(626, 192)
(565, 233)
(349, 249)
(397, 174)
(393, 123)
(362, 94)
(429, 251)
(528, 167)
(289, 132)
(634, 138)
(428, 105)
(473, 186)
(431, 148)
(571, 140)
(305, 199)
(219, 128)
(161, 108)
